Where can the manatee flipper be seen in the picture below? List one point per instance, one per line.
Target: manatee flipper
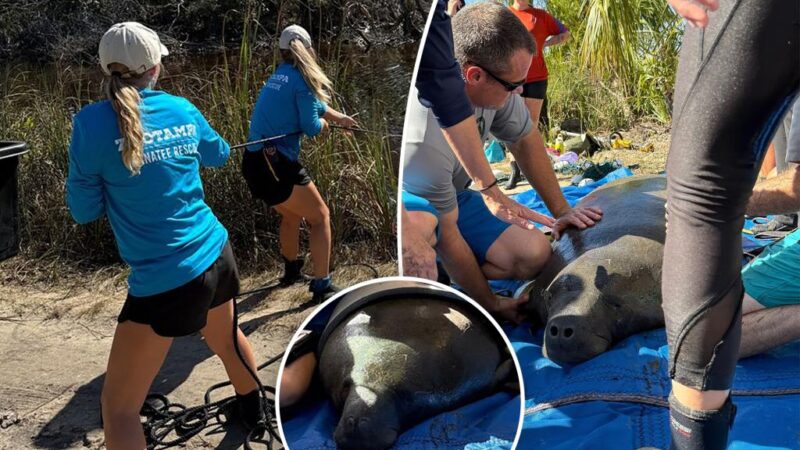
(534, 309)
(505, 377)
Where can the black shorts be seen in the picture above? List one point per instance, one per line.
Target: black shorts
(271, 176)
(535, 89)
(183, 310)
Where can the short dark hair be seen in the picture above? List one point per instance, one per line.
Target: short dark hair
(488, 34)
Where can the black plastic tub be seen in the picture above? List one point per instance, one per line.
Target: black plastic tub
(9, 197)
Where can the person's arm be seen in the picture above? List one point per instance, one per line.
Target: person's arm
(466, 143)
(418, 239)
(84, 189)
(535, 164)
(512, 123)
(311, 123)
(557, 31)
(453, 6)
(777, 195)
(214, 150)
(557, 39)
(332, 115)
(694, 11)
(464, 270)
(768, 328)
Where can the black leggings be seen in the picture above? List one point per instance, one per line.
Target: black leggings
(735, 80)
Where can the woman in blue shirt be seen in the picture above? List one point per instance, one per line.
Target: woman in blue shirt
(293, 103)
(136, 159)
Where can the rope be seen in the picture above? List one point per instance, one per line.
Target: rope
(165, 420)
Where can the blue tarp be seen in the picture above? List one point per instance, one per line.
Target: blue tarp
(618, 400)
(490, 423)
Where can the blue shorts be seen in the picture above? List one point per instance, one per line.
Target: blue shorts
(772, 278)
(477, 224)
(416, 203)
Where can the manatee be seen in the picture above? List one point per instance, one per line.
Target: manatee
(603, 284)
(398, 361)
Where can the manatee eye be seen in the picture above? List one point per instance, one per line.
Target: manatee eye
(345, 392)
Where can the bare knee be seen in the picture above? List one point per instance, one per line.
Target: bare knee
(291, 392)
(530, 261)
(519, 253)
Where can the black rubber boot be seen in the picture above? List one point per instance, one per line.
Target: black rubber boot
(700, 430)
(322, 289)
(250, 409)
(292, 271)
(515, 176)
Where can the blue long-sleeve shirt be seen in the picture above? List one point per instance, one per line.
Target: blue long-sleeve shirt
(439, 80)
(164, 229)
(286, 105)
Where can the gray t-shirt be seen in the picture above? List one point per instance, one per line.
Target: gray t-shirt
(431, 169)
(793, 135)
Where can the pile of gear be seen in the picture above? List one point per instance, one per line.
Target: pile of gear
(570, 153)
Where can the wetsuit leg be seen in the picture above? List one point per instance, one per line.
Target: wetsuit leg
(735, 80)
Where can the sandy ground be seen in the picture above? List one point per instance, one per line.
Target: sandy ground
(54, 343)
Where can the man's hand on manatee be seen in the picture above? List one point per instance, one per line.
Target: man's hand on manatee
(509, 308)
(509, 211)
(580, 217)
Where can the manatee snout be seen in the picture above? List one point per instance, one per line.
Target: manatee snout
(369, 421)
(571, 339)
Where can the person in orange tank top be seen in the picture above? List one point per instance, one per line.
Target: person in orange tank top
(546, 30)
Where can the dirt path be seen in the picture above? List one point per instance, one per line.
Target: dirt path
(54, 345)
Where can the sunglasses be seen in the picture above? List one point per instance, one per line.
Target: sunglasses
(508, 86)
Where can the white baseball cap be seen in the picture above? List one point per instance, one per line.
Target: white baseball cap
(291, 33)
(133, 45)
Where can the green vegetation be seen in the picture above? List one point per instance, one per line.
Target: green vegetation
(357, 175)
(619, 65)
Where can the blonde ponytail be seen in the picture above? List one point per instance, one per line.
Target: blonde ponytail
(306, 63)
(124, 97)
